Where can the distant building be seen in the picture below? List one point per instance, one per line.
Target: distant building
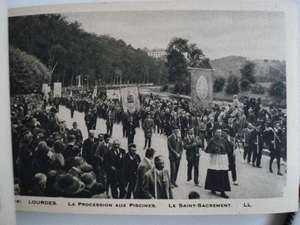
(157, 53)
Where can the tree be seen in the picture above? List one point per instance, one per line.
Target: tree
(248, 77)
(232, 86)
(68, 51)
(219, 83)
(278, 90)
(27, 73)
(245, 85)
(180, 56)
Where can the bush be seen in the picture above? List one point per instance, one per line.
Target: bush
(232, 86)
(245, 85)
(219, 83)
(179, 88)
(164, 88)
(27, 73)
(278, 90)
(258, 89)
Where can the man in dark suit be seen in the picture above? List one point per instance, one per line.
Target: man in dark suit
(192, 143)
(87, 150)
(175, 147)
(130, 163)
(112, 162)
(157, 184)
(88, 118)
(130, 129)
(77, 133)
(274, 137)
(102, 147)
(144, 166)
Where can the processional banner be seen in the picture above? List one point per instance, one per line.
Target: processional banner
(201, 88)
(57, 89)
(130, 99)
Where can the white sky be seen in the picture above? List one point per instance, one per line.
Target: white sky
(255, 35)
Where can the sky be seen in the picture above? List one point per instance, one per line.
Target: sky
(252, 34)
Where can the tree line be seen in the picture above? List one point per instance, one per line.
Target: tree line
(69, 51)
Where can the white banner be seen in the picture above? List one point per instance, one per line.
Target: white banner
(130, 99)
(45, 88)
(57, 90)
(113, 94)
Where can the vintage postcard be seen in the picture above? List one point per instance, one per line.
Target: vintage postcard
(155, 108)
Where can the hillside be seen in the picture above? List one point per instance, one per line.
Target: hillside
(265, 70)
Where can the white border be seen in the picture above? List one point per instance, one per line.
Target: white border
(288, 203)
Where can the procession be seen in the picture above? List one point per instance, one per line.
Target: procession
(100, 114)
(85, 145)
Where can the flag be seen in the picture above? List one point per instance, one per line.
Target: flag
(95, 92)
(71, 93)
(113, 94)
(201, 88)
(130, 99)
(57, 89)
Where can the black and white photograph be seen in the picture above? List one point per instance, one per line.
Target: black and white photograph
(124, 105)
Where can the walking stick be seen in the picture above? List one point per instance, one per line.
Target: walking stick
(257, 148)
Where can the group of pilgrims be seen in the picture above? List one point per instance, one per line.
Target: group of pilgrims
(53, 160)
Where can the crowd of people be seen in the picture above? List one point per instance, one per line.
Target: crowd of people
(55, 161)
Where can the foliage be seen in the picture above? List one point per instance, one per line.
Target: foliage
(27, 73)
(177, 67)
(232, 86)
(275, 75)
(278, 90)
(258, 89)
(248, 72)
(164, 88)
(248, 77)
(219, 83)
(68, 51)
(180, 56)
(182, 88)
(245, 85)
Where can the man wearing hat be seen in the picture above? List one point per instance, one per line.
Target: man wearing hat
(69, 186)
(192, 145)
(175, 147)
(40, 160)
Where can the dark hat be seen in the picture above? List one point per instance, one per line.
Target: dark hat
(226, 130)
(58, 146)
(202, 126)
(106, 136)
(69, 184)
(53, 175)
(43, 147)
(86, 168)
(27, 137)
(88, 180)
